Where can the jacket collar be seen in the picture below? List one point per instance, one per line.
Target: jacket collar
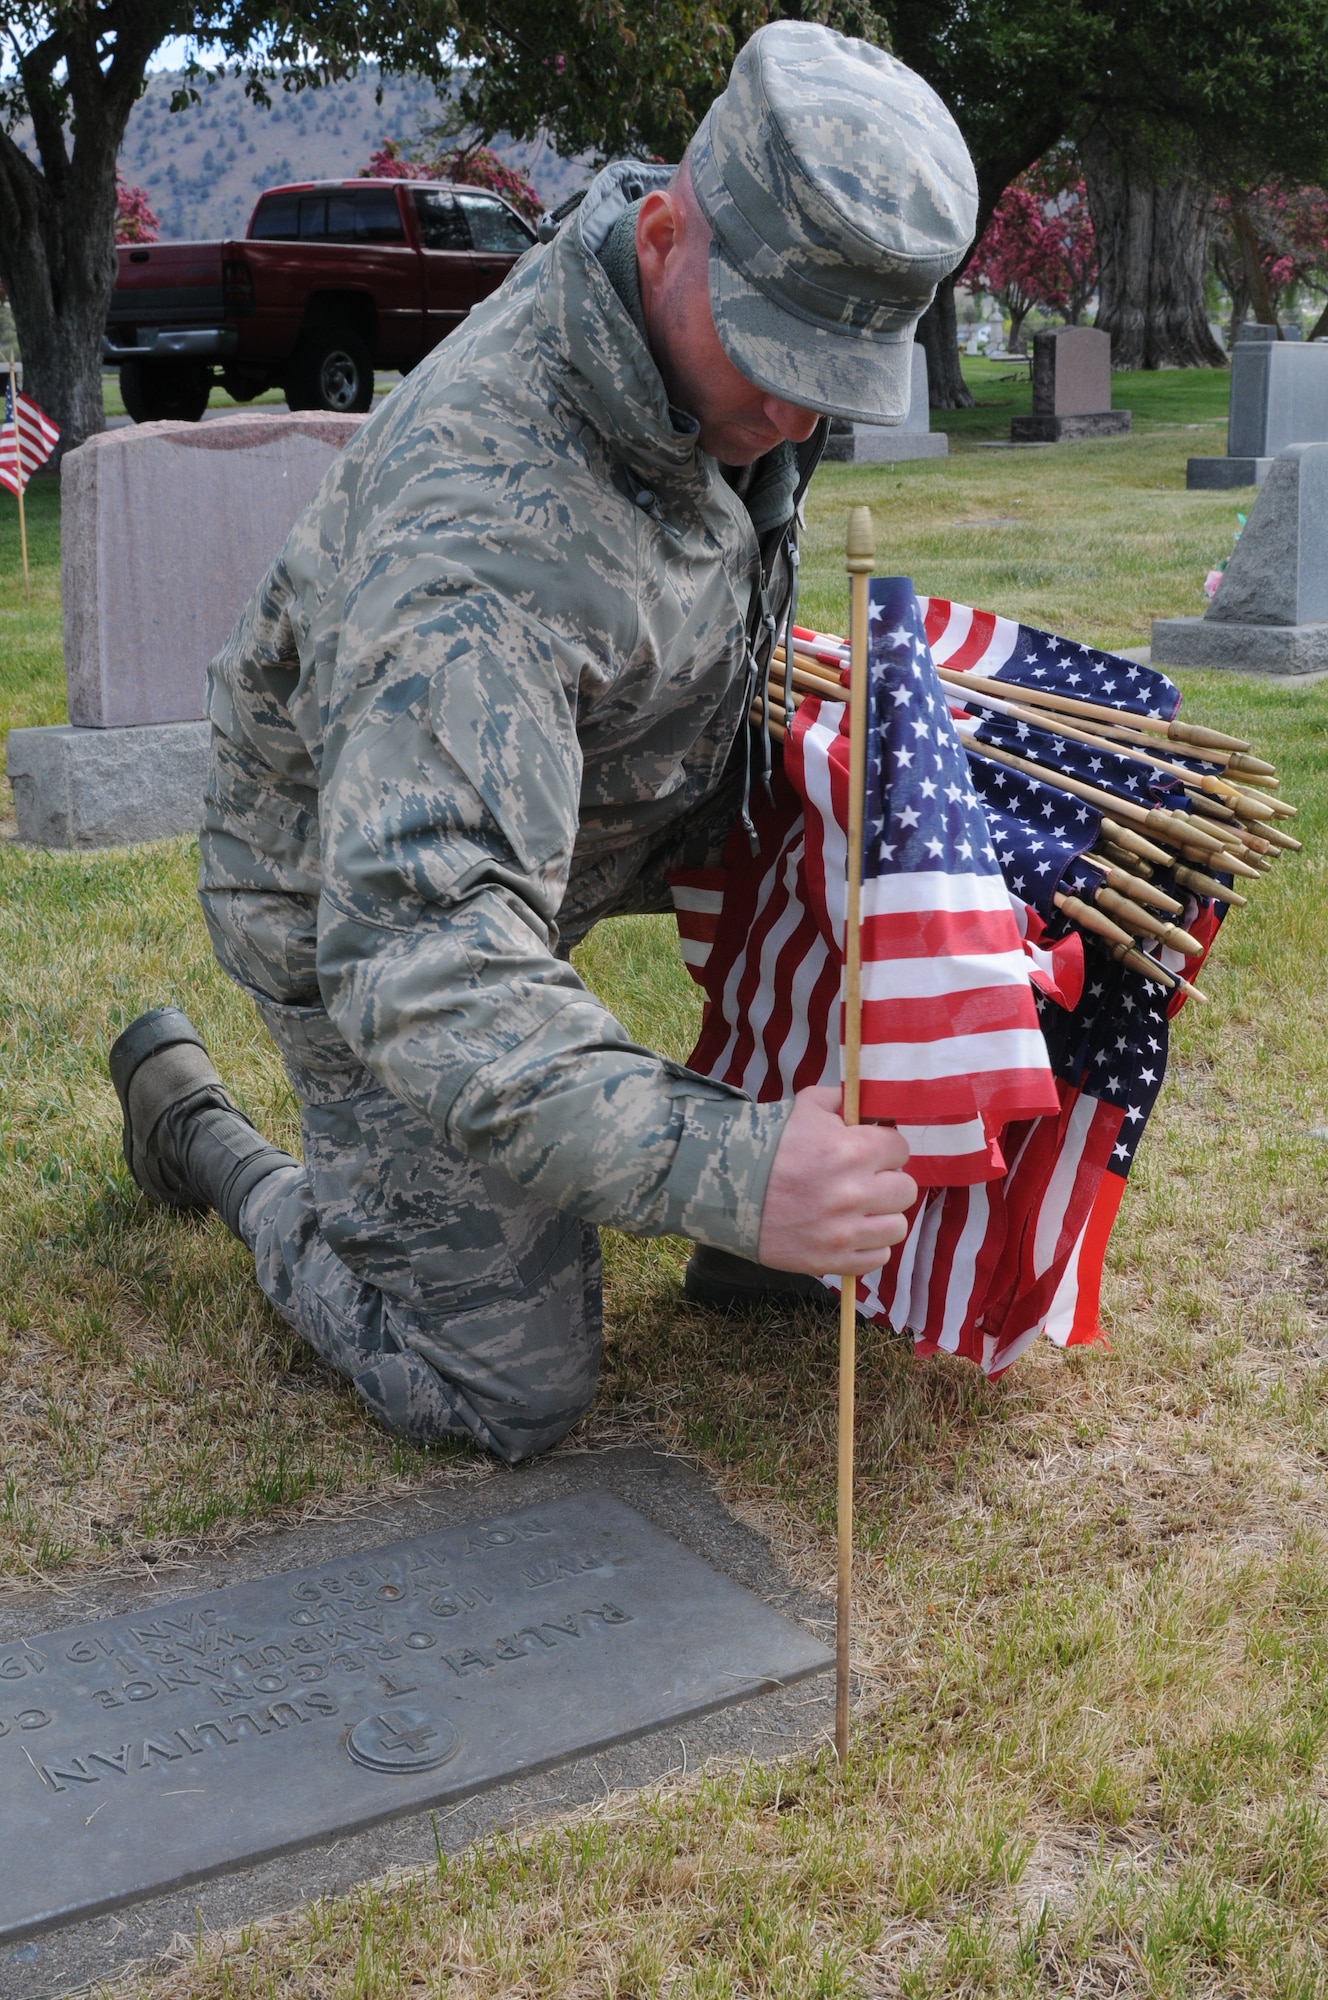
(600, 363)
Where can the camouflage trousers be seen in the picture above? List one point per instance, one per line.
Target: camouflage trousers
(457, 1306)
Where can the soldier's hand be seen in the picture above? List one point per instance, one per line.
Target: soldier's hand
(836, 1198)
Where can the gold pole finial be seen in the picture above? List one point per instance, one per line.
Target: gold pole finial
(861, 547)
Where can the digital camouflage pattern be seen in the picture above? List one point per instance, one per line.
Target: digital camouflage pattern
(485, 696)
(839, 192)
(456, 1304)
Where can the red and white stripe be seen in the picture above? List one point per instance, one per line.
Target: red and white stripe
(965, 640)
(27, 439)
(985, 1269)
(949, 1030)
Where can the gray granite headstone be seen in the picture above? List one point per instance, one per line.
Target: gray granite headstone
(165, 530)
(890, 444)
(1071, 389)
(1270, 612)
(1279, 396)
(162, 1747)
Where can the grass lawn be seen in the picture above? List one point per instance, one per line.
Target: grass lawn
(1093, 1597)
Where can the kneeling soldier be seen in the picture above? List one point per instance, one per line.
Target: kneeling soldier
(494, 689)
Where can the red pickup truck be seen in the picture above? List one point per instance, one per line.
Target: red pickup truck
(332, 280)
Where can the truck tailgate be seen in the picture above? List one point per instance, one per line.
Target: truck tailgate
(167, 284)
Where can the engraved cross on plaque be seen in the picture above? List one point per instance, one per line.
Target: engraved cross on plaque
(395, 1737)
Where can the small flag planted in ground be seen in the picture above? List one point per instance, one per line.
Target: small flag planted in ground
(27, 439)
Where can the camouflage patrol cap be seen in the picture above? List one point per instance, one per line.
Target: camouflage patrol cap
(839, 192)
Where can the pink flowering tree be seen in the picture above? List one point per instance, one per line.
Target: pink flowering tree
(1270, 241)
(1038, 248)
(1057, 180)
(134, 220)
(475, 165)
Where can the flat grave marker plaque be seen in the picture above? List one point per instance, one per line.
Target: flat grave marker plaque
(146, 1751)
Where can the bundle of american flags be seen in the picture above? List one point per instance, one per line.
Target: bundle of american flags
(27, 438)
(1005, 832)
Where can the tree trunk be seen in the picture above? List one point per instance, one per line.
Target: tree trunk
(938, 330)
(1256, 278)
(1152, 226)
(57, 261)
(57, 222)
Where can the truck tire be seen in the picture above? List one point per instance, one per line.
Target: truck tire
(332, 369)
(153, 391)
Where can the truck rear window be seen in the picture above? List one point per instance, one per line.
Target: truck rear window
(349, 215)
(276, 216)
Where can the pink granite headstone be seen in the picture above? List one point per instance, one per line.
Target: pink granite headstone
(166, 529)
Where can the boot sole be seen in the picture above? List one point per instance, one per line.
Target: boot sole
(160, 1028)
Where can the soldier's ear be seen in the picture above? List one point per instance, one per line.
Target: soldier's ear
(658, 238)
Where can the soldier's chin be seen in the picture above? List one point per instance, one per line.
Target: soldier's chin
(738, 444)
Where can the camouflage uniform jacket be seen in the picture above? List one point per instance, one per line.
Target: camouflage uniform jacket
(500, 655)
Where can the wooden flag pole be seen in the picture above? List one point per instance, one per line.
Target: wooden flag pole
(18, 461)
(861, 554)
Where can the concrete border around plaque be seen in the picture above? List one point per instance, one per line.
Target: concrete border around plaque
(664, 1576)
(86, 788)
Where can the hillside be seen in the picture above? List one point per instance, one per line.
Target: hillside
(203, 168)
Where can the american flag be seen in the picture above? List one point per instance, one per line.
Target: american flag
(981, 642)
(27, 438)
(1021, 1140)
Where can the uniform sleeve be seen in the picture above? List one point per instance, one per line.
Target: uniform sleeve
(449, 812)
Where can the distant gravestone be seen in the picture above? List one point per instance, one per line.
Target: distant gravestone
(1270, 612)
(164, 1746)
(165, 530)
(1071, 389)
(888, 444)
(1279, 396)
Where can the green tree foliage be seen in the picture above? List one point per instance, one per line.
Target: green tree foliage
(1169, 101)
(1182, 101)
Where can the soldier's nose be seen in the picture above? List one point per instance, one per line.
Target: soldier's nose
(790, 419)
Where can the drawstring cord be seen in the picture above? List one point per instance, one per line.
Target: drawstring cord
(815, 447)
(795, 558)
